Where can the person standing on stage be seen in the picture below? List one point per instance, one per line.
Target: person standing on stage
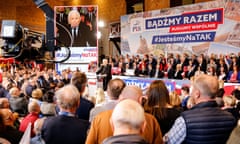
(105, 71)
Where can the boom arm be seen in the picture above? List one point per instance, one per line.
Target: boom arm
(49, 22)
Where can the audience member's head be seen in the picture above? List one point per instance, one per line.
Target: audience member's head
(236, 94)
(48, 97)
(47, 107)
(204, 88)
(37, 94)
(219, 97)
(68, 98)
(59, 85)
(185, 90)
(100, 96)
(10, 86)
(7, 116)
(131, 92)
(128, 118)
(79, 80)
(33, 107)
(14, 92)
(115, 87)
(229, 101)
(174, 99)
(158, 94)
(220, 92)
(4, 103)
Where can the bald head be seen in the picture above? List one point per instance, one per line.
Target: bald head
(207, 85)
(33, 107)
(131, 92)
(122, 116)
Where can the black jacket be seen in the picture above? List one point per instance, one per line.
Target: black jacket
(84, 109)
(64, 130)
(206, 123)
(11, 134)
(125, 139)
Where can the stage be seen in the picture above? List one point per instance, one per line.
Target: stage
(144, 82)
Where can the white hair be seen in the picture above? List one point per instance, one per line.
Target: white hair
(68, 97)
(73, 12)
(128, 113)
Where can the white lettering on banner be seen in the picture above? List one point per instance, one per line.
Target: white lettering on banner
(139, 84)
(190, 38)
(89, 54)
(185, 38)
(203, 36)
(182, 28)
(200, 18)
(202, 26)
(163, 22)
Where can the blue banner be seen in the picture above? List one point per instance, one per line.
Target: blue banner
(206, 16)
(144, 83)
(182, 38)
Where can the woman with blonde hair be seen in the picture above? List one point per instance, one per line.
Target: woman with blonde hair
(175, 100)
(100, 97)
(37, 96)
(229, 103)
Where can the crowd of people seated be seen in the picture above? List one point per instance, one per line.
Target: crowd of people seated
(178, 66)
(60, 111)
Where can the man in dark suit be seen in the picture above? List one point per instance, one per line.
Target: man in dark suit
(178, 72)
(65, 128)
(105, 72)
(61, 25)
(76, 34)
(79, 80)
(91, 21)
(61, 16)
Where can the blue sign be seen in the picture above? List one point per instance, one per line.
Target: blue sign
(144, 83)
(183, 38)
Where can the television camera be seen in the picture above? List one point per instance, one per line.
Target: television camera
(24, 44)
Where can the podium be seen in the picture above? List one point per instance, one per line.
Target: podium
(100, 80)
